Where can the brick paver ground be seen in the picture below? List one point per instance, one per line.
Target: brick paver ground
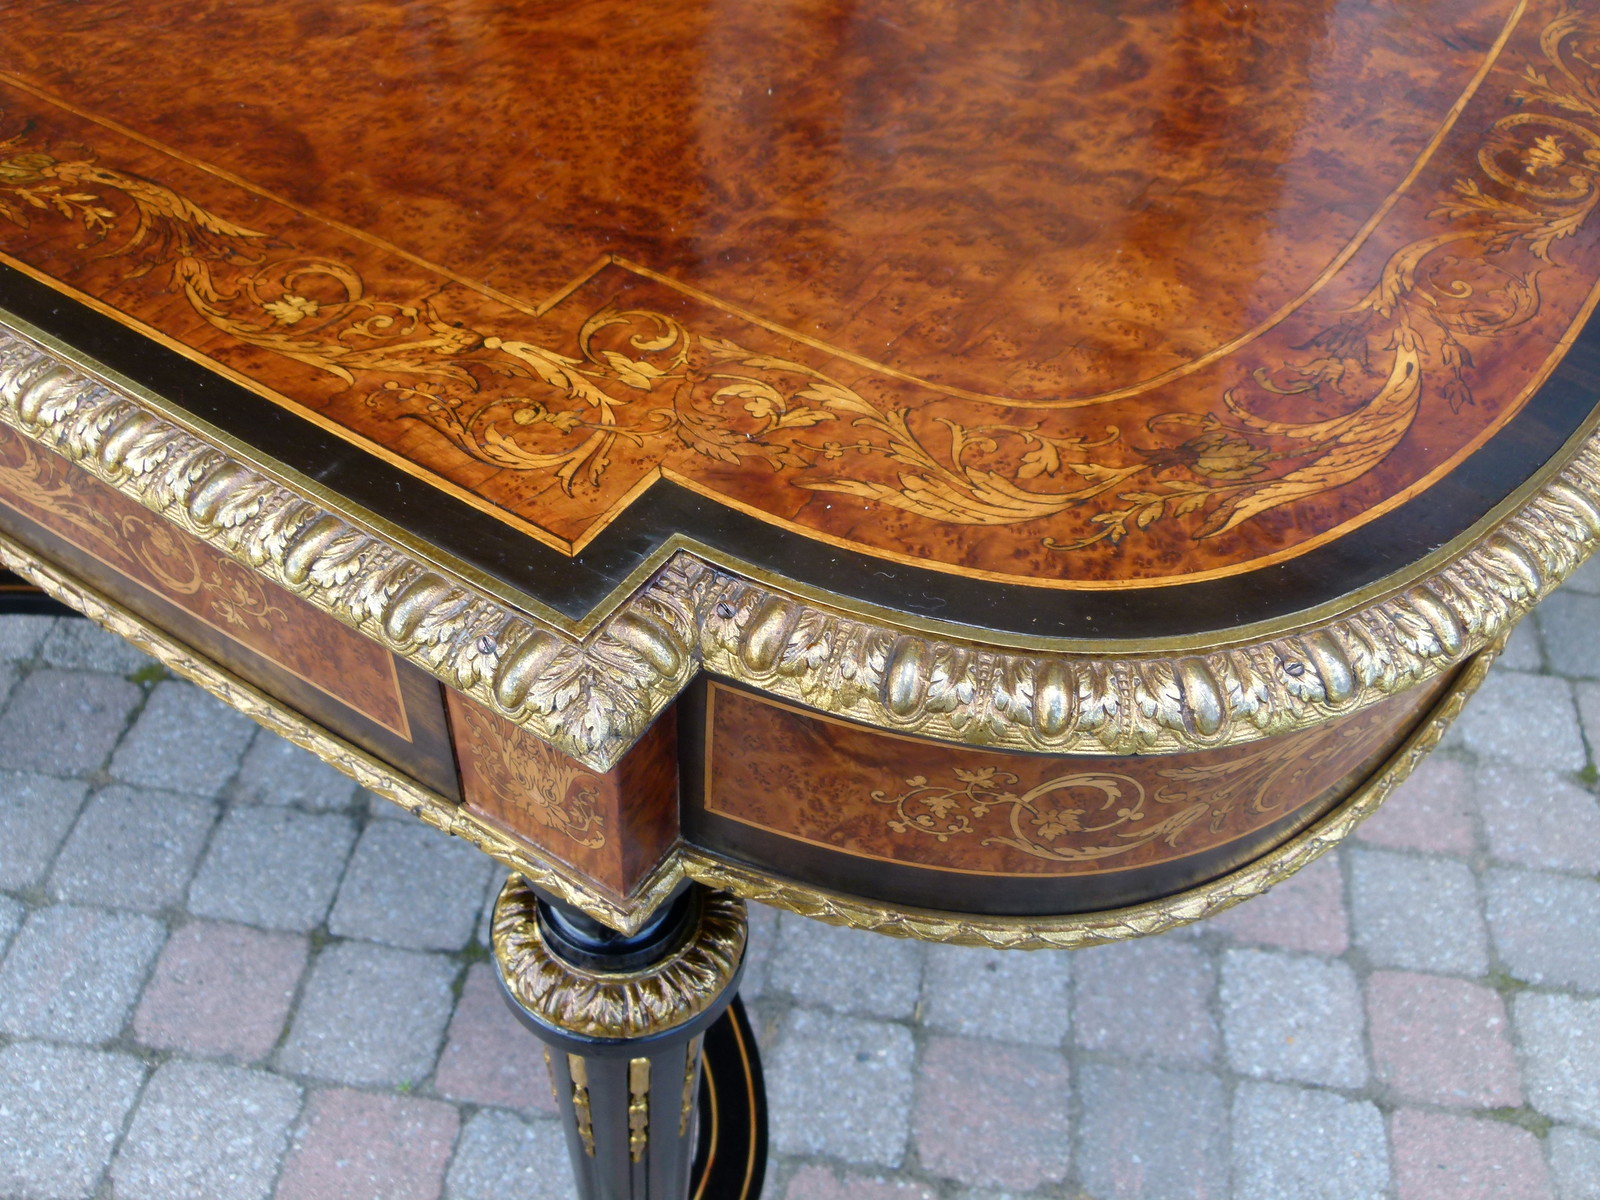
(225, 971)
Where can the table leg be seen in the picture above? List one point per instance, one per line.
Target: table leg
(622, 1018)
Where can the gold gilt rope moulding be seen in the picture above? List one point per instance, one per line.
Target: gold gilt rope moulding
(593, 699)
(1281, 446)
(430, 807)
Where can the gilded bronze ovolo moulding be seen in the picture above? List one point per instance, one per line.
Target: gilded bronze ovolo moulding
(1060, 932)
(592, 697)
(1089, 929)
(372, 773)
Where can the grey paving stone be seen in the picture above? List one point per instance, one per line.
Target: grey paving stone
(813, 1181)
(21, 636)
(483, 936)
(1421, 913)
(274, 868)
(133, 848)
(841, 1087)
(73, 974)
(370, 1015)
(412, 886)
(1293, 1018)
(377, 806)
(185, 740)
(1567, 621)
(35, 813)
(11, 914)
(9, 674)
(1292, 1144)
(1524, 718)
(84, 646)
(1145, 999)
(1149, 1133)
(1588, 696)
(1545, 927)
(992, 1114)
(1538, 818)
(501, 1156)
(65, 722)
(1574, 1164)
(1005, 996)
(1560, 1038)
(1585, 579)
(846, 970)
(61, 1111)
(1523, 652)
(205, 1131)
(761, 940)
(276, 771)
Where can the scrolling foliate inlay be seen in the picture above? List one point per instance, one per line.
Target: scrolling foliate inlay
(1093, 816)
(593, 699)
(1005, 932)
(541, 783)
(638, 389)
(1157, 916)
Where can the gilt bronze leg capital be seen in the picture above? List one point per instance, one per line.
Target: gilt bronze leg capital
(622, 1017)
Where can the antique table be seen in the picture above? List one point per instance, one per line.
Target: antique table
(1019, 475)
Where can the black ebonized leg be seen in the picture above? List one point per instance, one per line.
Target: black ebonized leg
(623, 1019)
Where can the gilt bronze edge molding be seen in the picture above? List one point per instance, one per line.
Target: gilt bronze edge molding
(371, 773)
(617, 1005)
(996, 932)
(592, 699)
(1156, 916)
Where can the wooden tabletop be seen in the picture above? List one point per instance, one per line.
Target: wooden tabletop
(1087, 321)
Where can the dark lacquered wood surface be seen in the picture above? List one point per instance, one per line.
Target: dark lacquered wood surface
(1090, 297)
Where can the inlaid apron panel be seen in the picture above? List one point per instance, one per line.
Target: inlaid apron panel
(939, 825)
(302, 656)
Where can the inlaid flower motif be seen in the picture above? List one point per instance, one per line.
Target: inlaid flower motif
(291, 309)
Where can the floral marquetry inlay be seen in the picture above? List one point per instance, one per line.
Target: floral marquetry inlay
(1091, 816)
(560, 416)
(536, 780)
(614, 827)
(807, 779)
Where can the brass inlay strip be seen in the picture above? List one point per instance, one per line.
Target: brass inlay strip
(638, 1107)
(579, 1070)
(691, 1066)
(550, 1072)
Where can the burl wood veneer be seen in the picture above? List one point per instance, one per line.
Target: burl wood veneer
(954, 827)
(612, 826)
(1172, 391)
(257, 629)
(1084, 297)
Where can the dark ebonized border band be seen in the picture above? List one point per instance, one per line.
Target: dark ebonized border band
(573, 586)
